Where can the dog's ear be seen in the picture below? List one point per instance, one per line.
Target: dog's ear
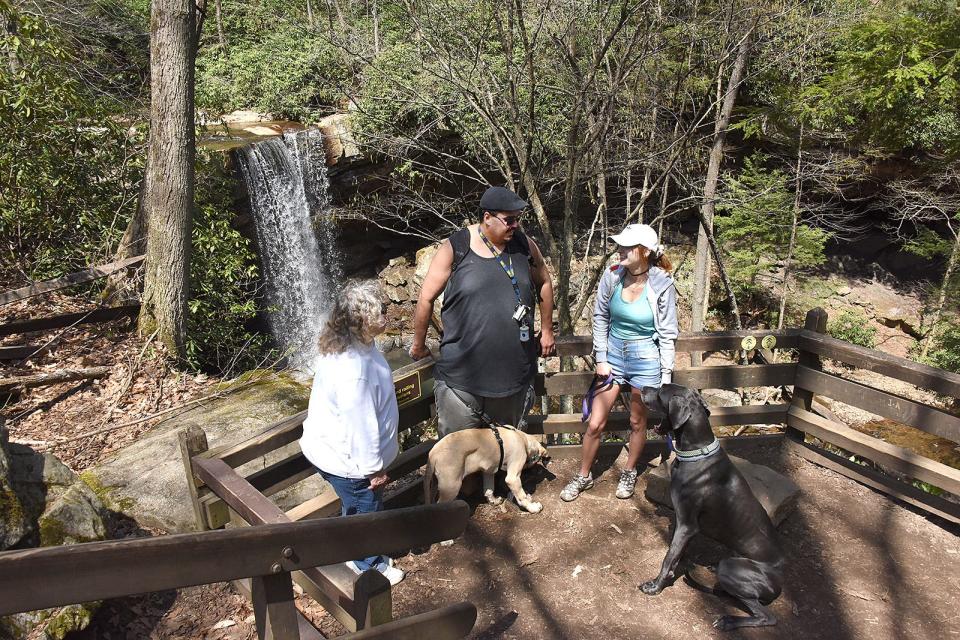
(703, 403)
(679, 410)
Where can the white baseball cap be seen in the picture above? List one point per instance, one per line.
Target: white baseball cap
(638, 234)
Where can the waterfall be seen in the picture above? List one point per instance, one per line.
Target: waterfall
(286, 178)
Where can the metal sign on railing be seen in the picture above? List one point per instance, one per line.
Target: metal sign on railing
(408, 388)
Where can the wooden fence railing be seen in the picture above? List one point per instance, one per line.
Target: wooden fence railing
(269, 555)
(222, 495)
(802, 419)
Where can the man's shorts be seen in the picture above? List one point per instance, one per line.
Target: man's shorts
(458, 409)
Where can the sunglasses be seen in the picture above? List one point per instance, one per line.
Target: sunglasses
(510, 221)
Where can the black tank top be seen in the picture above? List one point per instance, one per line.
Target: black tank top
(481, 352)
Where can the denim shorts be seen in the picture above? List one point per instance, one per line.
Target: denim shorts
(634, 362)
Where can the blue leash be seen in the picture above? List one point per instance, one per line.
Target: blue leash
(594, 389)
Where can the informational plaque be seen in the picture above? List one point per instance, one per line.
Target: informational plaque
(408, 388)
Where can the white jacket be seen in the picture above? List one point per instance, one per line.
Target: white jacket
(351, 424)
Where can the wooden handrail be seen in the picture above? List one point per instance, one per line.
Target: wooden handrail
(921, 375)
(291, 428)
(620, 420)
(87, 275)
(882, 403)
(890, 456)
(105, 314)
(449, 623)
(718, 377)
(580, 345)
(55, 576)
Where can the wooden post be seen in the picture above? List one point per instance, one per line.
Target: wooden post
(372, 600)
(193, 441)
(276, 615)
(803, 398)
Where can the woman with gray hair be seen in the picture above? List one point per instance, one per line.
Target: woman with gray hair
(350, 432)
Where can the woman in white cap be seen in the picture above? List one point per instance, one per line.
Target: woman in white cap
(634, 331)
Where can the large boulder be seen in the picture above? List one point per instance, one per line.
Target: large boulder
(338, 138)
(778, 494)
(147, 481)
(60, 509)
(14, 524)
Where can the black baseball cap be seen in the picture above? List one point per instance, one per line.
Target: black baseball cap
(501, 199)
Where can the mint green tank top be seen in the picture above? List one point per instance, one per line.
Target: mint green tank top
(631, 320)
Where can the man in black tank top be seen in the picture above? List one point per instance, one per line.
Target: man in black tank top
(492, 277)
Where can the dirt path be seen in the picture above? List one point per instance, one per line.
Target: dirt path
(860, 566)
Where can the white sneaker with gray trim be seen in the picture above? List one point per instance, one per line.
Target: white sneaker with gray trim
(575, 487)
(628, 480)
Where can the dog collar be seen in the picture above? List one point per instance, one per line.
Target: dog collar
(695, 454)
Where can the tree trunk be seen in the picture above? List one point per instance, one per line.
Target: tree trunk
(727, 285)
(170, 182)
(664, 192)
(701, 292)
(13, 62)
(120, 286)
(942, 301)
(219, 15)
(551, 250)
(793, 231)
(375, 16)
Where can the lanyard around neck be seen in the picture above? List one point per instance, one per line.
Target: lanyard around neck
(507, 268)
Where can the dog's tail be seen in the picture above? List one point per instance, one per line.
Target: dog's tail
(428, 482)
(702, 579)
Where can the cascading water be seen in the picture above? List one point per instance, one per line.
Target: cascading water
(286, 178)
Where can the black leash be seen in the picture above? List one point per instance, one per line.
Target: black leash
(490, 423)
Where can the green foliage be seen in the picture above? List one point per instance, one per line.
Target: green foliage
(69, 168)
(928, 244)
(895, 79)
(945, 347)
(272, 63)
(754, 227)
(853, 327)
(223, 280)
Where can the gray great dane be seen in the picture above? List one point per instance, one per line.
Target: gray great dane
(710, 495)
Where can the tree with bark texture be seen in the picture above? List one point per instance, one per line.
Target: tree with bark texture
(169, 193)
(705, 240)
(557, 101)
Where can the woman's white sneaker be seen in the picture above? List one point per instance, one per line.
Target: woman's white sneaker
(575, 487)
(393, 574)
(628, 480)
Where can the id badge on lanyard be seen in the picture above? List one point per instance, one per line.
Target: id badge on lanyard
(522, 310)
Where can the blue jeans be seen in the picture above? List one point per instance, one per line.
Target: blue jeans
(634, 362)
(356, 496)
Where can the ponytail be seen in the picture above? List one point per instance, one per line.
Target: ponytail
(661, 260)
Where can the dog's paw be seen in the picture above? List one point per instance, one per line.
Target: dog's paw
(534, 507)
(446, 543)
(651, 588)
(725, 623)
(495, 500)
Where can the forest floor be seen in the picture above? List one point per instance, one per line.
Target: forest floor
(571, 572)
(517, 568)
(56, 418)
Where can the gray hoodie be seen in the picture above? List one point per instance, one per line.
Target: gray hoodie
(663, 300)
